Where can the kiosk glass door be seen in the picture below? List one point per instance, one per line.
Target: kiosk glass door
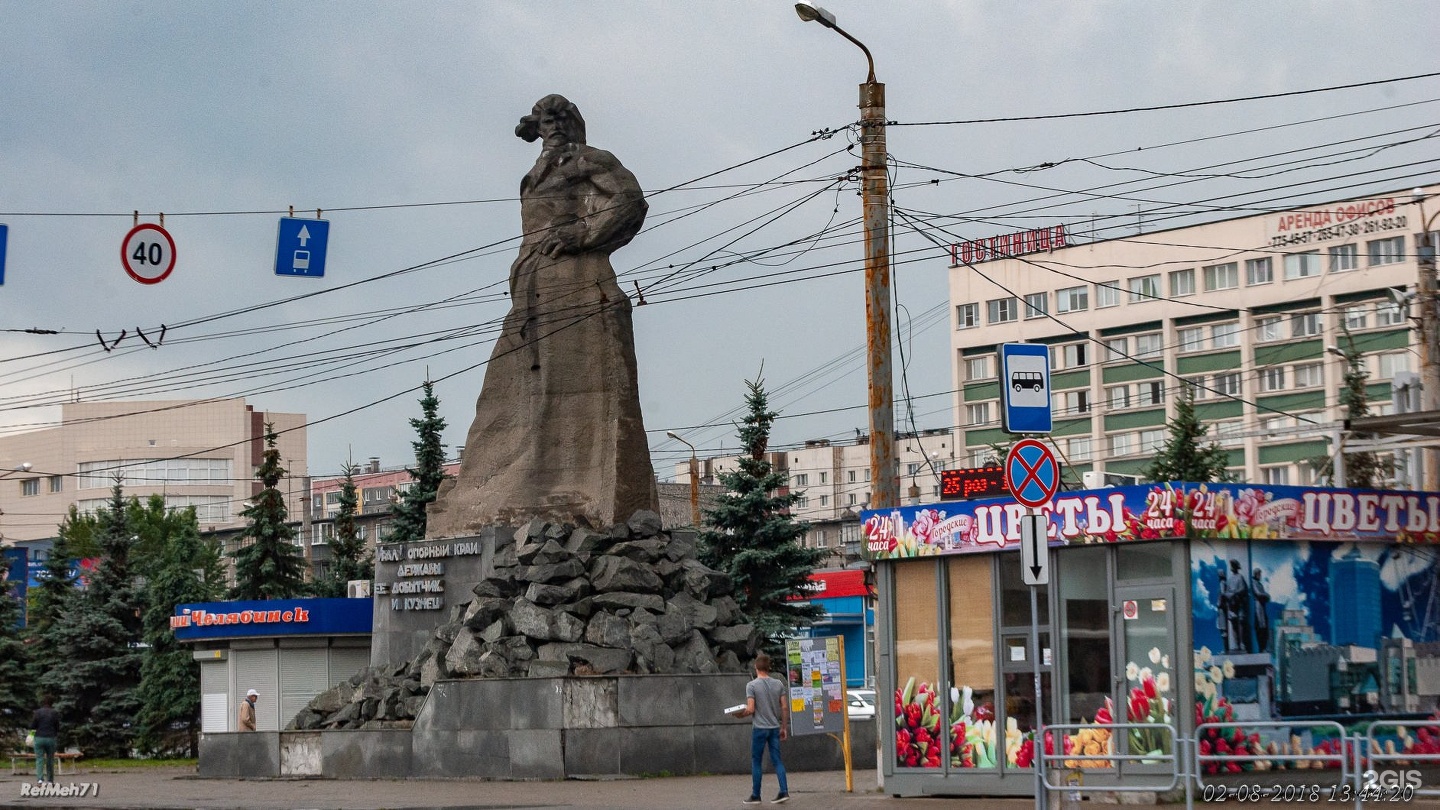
(1148, 666)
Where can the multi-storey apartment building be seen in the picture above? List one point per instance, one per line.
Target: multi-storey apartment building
(199, 453)
(1252, 313)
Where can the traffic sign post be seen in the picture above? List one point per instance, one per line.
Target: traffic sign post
(1032, 473)
(300, 247)
(4, 237)
(148, 253)
(1025, 388)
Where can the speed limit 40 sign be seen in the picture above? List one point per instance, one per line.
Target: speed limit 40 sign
(148, 253)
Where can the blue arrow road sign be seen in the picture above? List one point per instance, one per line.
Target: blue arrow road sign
(300, 247)
(4, 237)
(1025, 388)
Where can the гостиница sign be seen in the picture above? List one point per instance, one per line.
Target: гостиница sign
(1139, 513)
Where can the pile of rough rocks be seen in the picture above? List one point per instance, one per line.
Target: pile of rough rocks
(563, 601)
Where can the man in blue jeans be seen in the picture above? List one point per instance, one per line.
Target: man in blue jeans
(766, 701)
(46, 723)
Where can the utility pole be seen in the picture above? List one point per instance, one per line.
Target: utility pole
(875, 196)
(1426, 300)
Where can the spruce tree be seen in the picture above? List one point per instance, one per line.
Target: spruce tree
(752, 537)
(1364, 469)
(426, 475)
(268, 565)
(96, 680)
(1187, 456)
(17, 697)
(169, 676)
(349, 558)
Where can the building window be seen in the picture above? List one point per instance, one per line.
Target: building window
(824, 500)
(849, 476)
(1221, 276)
(153, 472)
(1302, 265)
(967, 316)
(1224, 335)
(978, 368)
(1122, 444)
(1197, 387)
(977, 413)
(800, 479)
(1037, 304)
(1344, 257)
(1118, 397)
(1355, 317)
(1003, 310)
(912, 468)
(1192, 338)
(824, 476)
(1116, 348)
(1144, 288)
(1309, 375)
(1276, 476)
(1151, 393)
(1072, 402)
(30, 486)
(852, 499)
(1078, 449)
(1227, 384)
(1182, 282)
(1070, 355)
(1272, 379)
(1385, 251)
(1268, 329)
(1149, 345)
(802, 503)
(1387, 365)
(1259, 271)
(1107, 294)
(1072, 299)
(1152, 440)
(57, 483)
(1229, 434)
(1305, 324)
(1388, 313)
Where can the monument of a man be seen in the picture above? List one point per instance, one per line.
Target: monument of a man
(558, 432)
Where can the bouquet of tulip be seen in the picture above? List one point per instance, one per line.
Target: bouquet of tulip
(917, 726)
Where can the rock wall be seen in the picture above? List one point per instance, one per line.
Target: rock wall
(558, 600)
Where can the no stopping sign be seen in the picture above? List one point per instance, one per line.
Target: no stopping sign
(148, 253)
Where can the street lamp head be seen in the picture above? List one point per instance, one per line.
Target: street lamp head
(809, 12)
(672, 435)
(1417, 194)
(25, 467)
(1335, 350)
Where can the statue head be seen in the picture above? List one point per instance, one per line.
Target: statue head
(555, 119)
(1235, 566)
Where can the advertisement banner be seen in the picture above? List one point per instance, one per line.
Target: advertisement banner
(1159, 512)
(272, 617)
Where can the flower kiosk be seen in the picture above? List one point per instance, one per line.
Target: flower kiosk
(1296, 609)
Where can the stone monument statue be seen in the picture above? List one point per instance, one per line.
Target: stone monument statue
(558, 433)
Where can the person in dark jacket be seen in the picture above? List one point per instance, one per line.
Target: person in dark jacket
(46, 724)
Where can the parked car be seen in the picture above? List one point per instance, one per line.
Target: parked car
(862, 703)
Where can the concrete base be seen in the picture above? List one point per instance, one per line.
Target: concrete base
(539, 728)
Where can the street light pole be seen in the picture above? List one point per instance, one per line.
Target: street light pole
(875, 194)
(1426, 300)
(694, 480)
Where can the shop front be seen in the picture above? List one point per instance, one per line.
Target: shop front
(846, 597)
(1170, 605)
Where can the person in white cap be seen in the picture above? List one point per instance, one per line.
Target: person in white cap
(247, 711)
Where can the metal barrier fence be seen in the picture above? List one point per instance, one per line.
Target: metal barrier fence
(1357, 759)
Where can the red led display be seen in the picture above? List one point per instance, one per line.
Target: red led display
(975, 482)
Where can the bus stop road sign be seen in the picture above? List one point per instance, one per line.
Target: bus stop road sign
(1025, 388)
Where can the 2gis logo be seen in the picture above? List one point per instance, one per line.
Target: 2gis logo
(1374, 781)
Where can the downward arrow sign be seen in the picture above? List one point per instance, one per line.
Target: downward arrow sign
(304, 235)
(1035, 555)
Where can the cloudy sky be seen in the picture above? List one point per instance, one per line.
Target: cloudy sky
(397, 120)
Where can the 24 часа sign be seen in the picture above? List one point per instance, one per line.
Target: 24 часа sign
(1139, 513)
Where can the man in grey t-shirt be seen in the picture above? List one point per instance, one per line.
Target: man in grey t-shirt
(766, 701)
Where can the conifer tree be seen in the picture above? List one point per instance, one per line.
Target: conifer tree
(169, 675)
(96, 679)
(752, 537)
(426, 475)
(1364, 469)
(268, 565)
(17, 698)
(1187, 455)
(349, 558)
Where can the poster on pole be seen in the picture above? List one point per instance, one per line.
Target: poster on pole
(816, 670)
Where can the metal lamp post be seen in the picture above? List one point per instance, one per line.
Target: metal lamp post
(694, 479)
(1426, 300)
(875, 193)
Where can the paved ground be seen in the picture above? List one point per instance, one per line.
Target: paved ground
(179, 788)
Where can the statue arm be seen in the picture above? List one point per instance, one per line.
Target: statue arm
(619, 209)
